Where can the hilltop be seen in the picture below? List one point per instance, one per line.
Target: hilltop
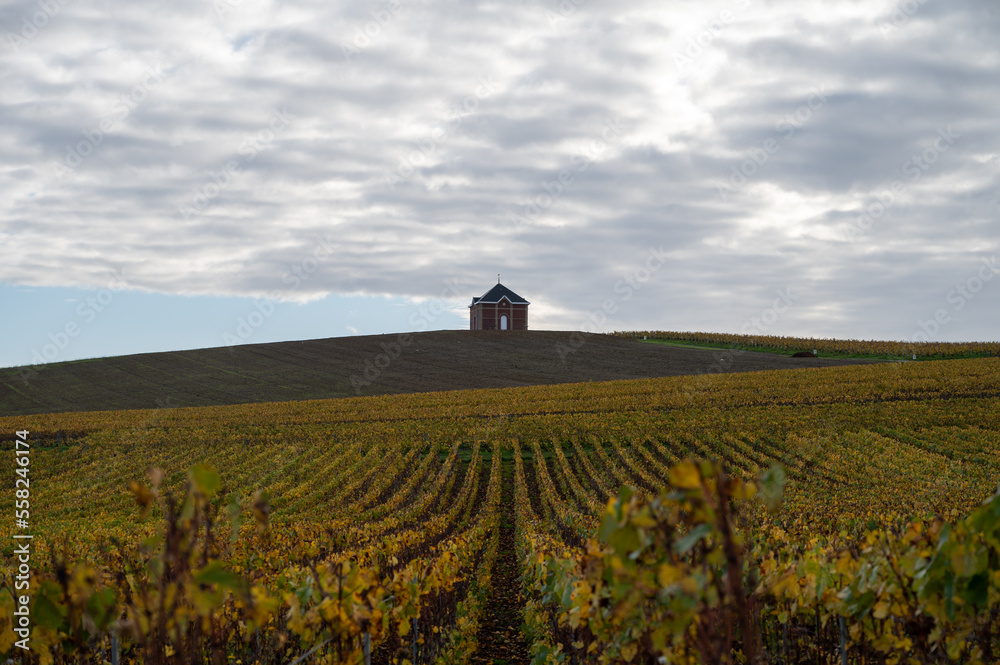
(361, 365)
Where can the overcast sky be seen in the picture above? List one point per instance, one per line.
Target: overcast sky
(823, 169)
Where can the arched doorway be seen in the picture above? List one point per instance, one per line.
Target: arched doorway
(503, 322)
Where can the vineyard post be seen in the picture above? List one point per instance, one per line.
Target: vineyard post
(413, 648)
(340, 602)
(843, 641)
(114, 647)
(368, 648)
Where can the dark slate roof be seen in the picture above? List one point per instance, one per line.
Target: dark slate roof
(496, 293)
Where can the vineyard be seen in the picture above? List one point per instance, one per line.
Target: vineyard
(838, 347)
(837, 515)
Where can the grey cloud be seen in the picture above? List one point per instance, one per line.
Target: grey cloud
(360, 117)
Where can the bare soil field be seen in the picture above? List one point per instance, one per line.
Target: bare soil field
(362, 365)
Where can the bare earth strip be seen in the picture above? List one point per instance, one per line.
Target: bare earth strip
(362, 365)
(500, 641)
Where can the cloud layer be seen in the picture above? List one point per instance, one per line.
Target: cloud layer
(846, 150)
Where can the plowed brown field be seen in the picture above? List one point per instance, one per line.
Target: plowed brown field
(362, 365)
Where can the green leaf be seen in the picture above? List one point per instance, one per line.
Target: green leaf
(609, 524)
(216, 573)
(48, 613)
(101, 607)
(567, 597)
(949, 595)
(235, 518)
(858, 605)
(691, 538)
(625, 540)
(205, 479)
(772, 487)
(977, 590)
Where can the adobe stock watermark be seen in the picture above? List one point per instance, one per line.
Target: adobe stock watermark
(553, 189)
(85, 313)
(223, 7)
(625, 288)
(32, 24)
(201, 196)
(122, 109)
(915, 167)
(429, 312)
(958, 298)
(758, 325)
(366, 35)
(263, 308)
(755, 325)
(898, 16)
(709, 31)
(785, 128)
(563, 11)
(451, 120)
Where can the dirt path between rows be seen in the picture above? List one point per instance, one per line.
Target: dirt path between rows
(500, 639)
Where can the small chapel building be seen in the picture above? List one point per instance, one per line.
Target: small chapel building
(498, 309)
